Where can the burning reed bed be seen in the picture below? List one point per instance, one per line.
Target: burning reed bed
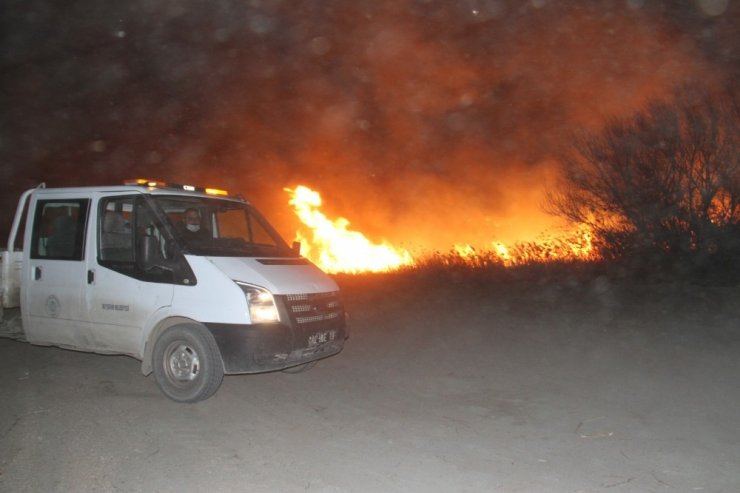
(450, 276)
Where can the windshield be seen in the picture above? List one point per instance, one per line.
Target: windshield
(223, 228)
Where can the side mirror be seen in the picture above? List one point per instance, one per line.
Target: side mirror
(296, 247)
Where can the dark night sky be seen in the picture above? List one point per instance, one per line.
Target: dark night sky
(404, 114)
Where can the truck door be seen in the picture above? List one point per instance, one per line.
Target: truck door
(122, 296)
(54, 310)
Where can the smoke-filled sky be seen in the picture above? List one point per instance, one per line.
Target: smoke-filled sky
(424, 122)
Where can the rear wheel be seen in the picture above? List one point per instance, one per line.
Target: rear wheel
(187, 363)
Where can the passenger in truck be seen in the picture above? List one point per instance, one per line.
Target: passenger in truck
(62, 243)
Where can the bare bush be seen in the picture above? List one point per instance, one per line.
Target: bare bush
(664, 180)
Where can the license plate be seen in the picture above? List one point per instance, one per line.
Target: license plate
(321, 338)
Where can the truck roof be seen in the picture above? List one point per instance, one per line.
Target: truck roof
(147, 187)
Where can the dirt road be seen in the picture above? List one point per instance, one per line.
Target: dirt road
(550, 387)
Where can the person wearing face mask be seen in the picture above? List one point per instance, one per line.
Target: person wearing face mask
(192, 228)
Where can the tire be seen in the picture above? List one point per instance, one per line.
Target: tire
(187, 364)
(301, 368)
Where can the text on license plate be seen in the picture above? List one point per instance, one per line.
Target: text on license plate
(321, 337)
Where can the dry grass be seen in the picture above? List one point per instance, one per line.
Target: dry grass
(486, 273)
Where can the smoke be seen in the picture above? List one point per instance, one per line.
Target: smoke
(440, 126)
(422, 122)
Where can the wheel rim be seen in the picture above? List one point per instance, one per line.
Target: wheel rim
(181, 363)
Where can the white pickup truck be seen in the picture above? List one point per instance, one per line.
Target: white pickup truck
(193, 282)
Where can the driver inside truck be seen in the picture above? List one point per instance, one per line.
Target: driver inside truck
(192, 228)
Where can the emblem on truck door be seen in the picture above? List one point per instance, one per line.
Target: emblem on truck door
(53, 306)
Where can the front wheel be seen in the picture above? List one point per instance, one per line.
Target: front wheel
(187, 363)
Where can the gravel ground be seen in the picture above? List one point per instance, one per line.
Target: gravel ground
(456, 386)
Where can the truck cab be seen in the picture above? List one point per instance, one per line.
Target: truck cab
(193, 282)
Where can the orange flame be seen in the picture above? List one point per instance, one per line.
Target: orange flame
(333, 247)
(576, 244)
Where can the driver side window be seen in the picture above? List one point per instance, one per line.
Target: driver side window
(128, 231)
(116, 231)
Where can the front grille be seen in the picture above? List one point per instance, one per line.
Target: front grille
(316, 318)
(314, 307)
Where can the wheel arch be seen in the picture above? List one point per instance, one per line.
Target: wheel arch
(162, 325)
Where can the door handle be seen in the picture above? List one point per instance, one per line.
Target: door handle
(37, 273)
(90, 276)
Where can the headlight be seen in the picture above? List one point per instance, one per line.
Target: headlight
(261, 304)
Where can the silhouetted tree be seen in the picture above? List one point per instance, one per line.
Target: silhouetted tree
(665, 180)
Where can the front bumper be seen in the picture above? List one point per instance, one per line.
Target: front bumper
(266, 347)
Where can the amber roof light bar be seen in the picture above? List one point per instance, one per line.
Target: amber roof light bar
(176, 186)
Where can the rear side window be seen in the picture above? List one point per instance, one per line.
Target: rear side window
(59, 229)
